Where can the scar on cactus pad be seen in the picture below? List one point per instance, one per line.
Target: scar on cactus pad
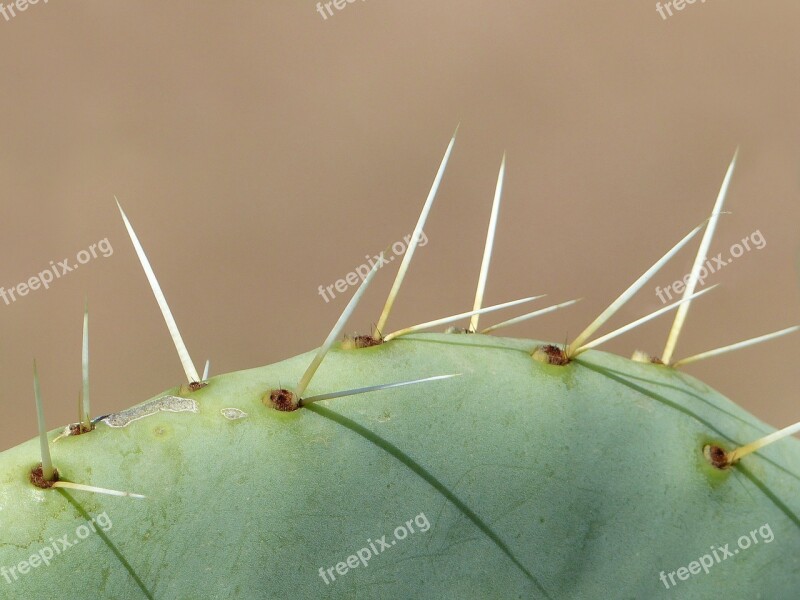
(525, 455)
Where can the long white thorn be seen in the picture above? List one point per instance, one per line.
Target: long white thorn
(97, 490)
(86, 413)
(737, 346)
(336, 331)
(487, 249)
(183, 353)
(415, 238)
(635, 324)
(627, 294)
(372, 388)
(205, 370)
(47, 462)
(458, 317)
(765, 441)
(531, 315)
(702, 253)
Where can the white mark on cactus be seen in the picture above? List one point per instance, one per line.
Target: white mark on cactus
(165, 404)
(233, 413)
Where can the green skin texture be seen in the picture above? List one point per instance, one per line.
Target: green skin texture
(538, 481)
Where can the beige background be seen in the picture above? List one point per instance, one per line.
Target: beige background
(262, 151)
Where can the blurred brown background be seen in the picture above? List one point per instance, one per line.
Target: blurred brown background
(261, 151)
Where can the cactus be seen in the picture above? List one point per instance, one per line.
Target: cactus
(414, 465)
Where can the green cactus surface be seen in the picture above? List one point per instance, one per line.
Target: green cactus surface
(577, 481)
